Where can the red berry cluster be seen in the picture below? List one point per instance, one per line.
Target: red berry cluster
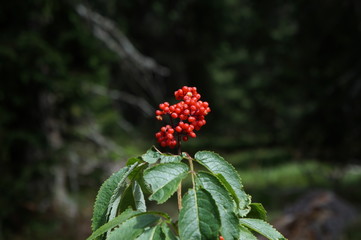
(186, 117)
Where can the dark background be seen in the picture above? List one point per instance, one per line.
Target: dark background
(283, 79)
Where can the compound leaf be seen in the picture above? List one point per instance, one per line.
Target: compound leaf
(107, 195)
(169, 235)
(133, 227)
(164, 179)
(153, 233)
(151, 156)
(230, 178)
(113, 223)
(167, 158)
(198, 218)
(229, 221)
(246, 234)
(139, 197)
(262, 228)
(126, 200)
(118, 193)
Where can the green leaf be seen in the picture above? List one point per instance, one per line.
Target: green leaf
(262, 228)
(218, 166)
(167, 158)
(229, 221)
(164, 179)
(246, 234)
(257, 211)
(198, 218)
(137, 175)
(104, 197)
(169, 235)
(133, 160)
(113, 223)
(139, 197)
(153, 233)
(132, 197)
(116, 198)
(127, 200)
(151, 156)
(133, 227)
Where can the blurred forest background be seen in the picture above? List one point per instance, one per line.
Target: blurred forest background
(78, 94)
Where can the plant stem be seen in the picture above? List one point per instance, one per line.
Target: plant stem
(179, 196)
(190, 160)
(179, 190)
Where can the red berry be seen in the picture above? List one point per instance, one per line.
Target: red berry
(221, 238)
(189, 109)
(191, 119)
(190, 128)
(178, 129)
(173, 143)
(192, 134)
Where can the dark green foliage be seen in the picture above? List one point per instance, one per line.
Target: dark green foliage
(213, 207)
(47, 58)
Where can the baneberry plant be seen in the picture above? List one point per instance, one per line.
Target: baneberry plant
(214, 207)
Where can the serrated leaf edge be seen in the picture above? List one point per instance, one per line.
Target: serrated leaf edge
(99, 195)
(250, 226)
(179, 177)
(237, 174)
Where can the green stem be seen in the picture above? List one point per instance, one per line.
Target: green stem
(179, 190)
(190, 160)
